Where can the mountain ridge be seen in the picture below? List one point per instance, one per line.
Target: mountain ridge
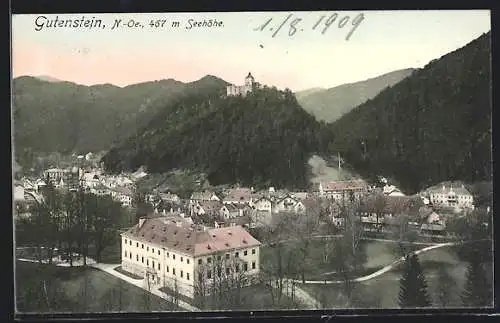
(330, 104)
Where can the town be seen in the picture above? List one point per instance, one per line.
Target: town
(179, 243)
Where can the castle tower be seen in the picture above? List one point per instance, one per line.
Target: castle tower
(249, 80)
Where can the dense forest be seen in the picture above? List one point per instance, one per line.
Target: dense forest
(66, 117)
(265, 138)
(433, 126)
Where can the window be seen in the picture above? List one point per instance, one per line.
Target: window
(173, 256)
(253, 251)
(173, 271)
(236, 254)
(147, 248)
(237, 268)
(142, 245)
(125, 241)
(218, 257)
(142, 259)
(130, 242)
(153, 250)
(209, 260)
(227, 271)
(245, 266)
(137, 244)
(167, 269)
(200, 261)
(187, 276)
(209, 274)
(153, 265)
(253, 264)
(187, 260)
(147, 262)
(158, 252)
(227, 256)
(182, 259)
(182, 274)
(137, 257)
(245, 253)
(130, 255)
(158, 266)
(168, 254)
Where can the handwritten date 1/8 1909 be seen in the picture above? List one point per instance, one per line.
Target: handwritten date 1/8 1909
(294, 24)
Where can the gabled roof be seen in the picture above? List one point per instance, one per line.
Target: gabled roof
(338, 186)
(210, 206)
(202, 196)
(190, 239)
(239, 195)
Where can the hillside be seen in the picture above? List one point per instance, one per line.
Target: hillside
(331, 104)
(67, 117)
(302, 94)
(433, 126)
(263, 139)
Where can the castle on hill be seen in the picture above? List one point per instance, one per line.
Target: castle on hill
(249, 86)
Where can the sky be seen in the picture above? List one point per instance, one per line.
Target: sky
(380, 42)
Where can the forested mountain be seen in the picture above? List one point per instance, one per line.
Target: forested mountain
(331, 104)
(302, 94)
(433, 126)
(66, 117)
(263, 139)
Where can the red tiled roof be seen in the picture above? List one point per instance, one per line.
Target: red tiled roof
(239, 195)
(190, 239)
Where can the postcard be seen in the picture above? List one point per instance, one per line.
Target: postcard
(251, 161)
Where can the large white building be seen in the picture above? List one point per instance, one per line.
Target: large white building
(170, 252)
(456, 197)
(339, 190)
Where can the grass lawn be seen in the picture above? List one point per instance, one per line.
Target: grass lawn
(368, 294)
(79, 289)
(378, 253)
(255, 297)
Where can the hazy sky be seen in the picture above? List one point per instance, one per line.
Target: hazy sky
(384, 41)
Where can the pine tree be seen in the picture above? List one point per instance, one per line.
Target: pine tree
(413, 287)
(477, 291)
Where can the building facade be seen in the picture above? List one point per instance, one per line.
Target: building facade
(453, 197)
(173, 253)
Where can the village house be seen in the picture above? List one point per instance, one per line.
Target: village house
(339, 190)
(172, 253)
(285, 204)
(232, 211)
(122, 194)
(169, 197)
(376, 211)
(263, 204)
(453, 197)
(203, 196)
(300, 195)
(391, 190)
(206, 208)
(238, 196)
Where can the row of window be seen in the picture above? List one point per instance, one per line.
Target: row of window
(167, 268)
(129, 255)
(236, 255)
(153, 250)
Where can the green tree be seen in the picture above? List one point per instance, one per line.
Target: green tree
(413, 286)
(477, 290)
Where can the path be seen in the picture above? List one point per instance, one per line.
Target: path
(378, 272)
(110, 269)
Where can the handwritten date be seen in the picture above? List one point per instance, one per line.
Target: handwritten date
(321, 24)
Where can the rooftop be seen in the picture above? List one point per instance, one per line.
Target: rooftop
(186, 238)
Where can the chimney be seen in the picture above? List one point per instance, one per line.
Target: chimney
(171, 210)
(141, 221)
